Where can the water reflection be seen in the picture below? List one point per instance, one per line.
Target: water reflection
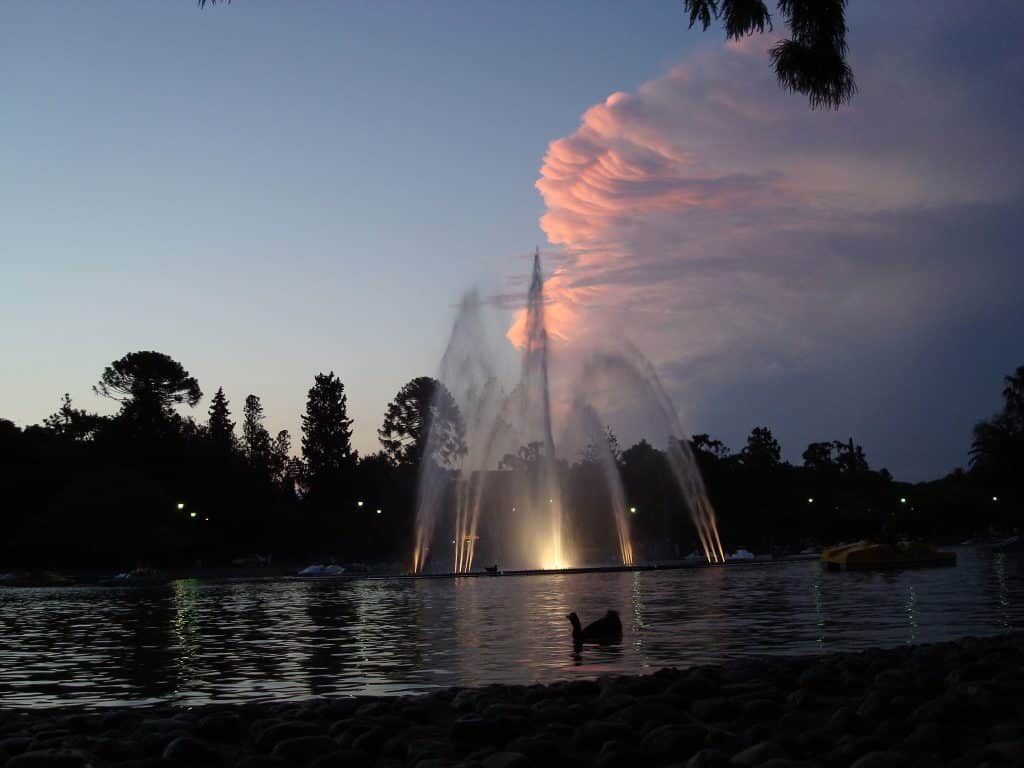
(1002, 589)
(912, 613)
(195, 642)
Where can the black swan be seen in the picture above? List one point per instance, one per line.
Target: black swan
(607, 629)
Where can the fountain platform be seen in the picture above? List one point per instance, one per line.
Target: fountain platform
(672, 565)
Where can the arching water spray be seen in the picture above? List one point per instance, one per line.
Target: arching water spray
(638, 376)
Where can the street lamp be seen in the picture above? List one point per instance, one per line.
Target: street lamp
(379, 511)
(359, 503)
(810, 499)
(632, 510)
(903, 499)
(181, 505)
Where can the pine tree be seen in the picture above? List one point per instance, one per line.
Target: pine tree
(255, 438)
(327, 433)
(219, 426)
(280, 453)
(422, 418)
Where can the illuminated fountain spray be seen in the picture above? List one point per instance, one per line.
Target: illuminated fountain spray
(630, 371)
(521, 513)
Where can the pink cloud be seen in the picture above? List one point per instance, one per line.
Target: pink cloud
(715, 219)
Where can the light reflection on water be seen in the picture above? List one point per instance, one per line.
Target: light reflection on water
(194, 642)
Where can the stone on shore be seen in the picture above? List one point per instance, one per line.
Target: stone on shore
(957, 704)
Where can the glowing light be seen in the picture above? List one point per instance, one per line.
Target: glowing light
(810, 499)
(903, 499)
(359, 503)
(995, 498)
(632, 510)
(181, 505)
(191, 514)
(379, 511)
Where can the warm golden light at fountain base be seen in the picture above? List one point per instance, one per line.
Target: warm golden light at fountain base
(500, 506)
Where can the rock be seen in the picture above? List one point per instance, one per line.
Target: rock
(874, 706)
(119, 720)
(343, 758)
(371, 741)
(303, 749)
(891, 681)
(476, 731)
(579, 689)
(818, 678)
(998, 732)
(537, 748)
(49, 758)
(261, 761)
(163, 725)
(925, 738)
(118, 750)
(13, 745)
(882, 760)
(762, 709)
(757, 733)
(280, 731)
(757, 754)
(219, 725)
(1010, 751)
(674, 741)
(644, 712)
(507, 760)
(189, 751)
(798, 699)
(590, 736)
(708, 758)
(714, 710)
(698, 683)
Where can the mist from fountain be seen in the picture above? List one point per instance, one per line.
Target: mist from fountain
(525, 511)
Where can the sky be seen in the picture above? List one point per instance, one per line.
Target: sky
(269, 190)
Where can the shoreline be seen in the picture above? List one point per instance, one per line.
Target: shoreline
(956, 703)
(94, 578)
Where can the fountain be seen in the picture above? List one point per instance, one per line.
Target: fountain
(502, 500)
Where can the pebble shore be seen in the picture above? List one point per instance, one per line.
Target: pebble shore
(949, 704)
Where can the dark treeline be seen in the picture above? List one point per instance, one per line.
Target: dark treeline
(151, 486)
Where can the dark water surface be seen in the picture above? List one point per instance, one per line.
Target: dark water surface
(195, 642)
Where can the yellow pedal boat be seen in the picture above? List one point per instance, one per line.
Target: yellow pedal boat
(867, 555)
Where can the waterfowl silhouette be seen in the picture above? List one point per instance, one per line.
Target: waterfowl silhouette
(607, 629)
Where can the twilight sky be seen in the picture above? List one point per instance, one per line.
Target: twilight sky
(267, 190)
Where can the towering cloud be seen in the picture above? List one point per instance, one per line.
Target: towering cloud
(725, 227)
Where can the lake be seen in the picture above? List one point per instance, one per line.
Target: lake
(196, 642)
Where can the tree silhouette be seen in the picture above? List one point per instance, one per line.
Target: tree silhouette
(526, 458)
(219, 426)
(280, 456)
(762, 450)
(998, 447)
(818, 457)
(148, 385)
(423, 417)
(591, 454)
(73, 423)
(850, 458)
(326, 431)
(812, 61)
(705, 444)
(255, 438)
